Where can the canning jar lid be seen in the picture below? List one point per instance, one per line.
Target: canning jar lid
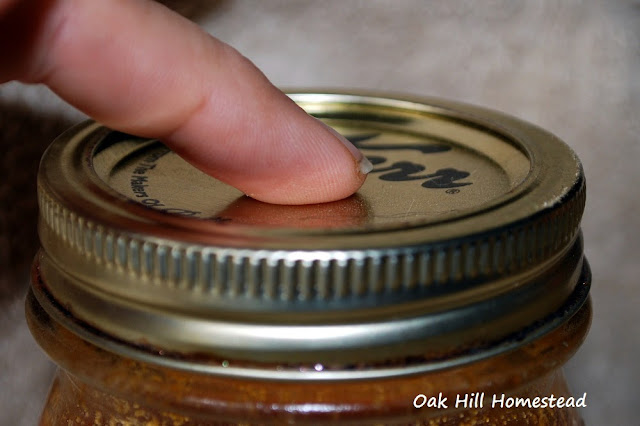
(462, 243)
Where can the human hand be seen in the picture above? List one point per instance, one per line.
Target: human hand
(140, 68)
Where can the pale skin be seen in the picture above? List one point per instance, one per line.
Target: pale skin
(138, 67)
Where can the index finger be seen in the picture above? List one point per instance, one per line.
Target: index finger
(140, 68)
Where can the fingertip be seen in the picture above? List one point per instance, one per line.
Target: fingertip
(327, 183)
(336, 170)
(311, 194)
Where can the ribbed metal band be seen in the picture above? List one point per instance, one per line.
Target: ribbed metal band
(302, 275)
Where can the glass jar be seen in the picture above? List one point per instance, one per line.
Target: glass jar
(450, 290)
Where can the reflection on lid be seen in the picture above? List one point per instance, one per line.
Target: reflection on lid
(347, 213)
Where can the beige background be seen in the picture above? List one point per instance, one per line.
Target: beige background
(569, 66)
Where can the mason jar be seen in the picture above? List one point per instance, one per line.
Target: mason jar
(449, 290)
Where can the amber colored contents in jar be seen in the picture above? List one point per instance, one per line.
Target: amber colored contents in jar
(97, 387)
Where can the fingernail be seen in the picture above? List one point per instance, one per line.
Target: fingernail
(364, 165)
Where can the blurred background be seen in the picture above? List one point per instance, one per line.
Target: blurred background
(571, 67)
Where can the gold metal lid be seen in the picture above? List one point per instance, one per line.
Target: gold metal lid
(463, 242)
